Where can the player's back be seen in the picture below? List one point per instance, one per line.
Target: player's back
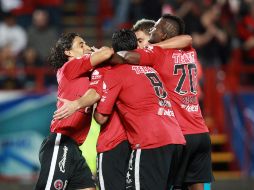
(112, 133)
(179, 72)
(145, 108)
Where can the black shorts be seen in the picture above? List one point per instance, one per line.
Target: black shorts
(112, 167)
(151, 169)
(62, 165)
(195, 165)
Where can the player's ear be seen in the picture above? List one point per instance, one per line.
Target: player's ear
(67, 52)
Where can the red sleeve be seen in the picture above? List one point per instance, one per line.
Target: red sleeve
(97, 79)
(112, 84)
(77, 67)
(149, 55)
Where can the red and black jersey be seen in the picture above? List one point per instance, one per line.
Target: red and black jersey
(143, 104)
(73, 82)
(178, 70)
(113, 132)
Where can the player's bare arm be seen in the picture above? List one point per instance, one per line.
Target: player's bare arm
(69, 107)
(100, 118)
(121, 57)
(133, 57)
(101, 55)
(177, 42)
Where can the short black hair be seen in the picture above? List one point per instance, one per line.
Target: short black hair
(124, 39)
(57, 57)
(143, 25)
(176, 25)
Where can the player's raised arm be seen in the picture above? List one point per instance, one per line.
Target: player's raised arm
(177, 42)
(101, 55)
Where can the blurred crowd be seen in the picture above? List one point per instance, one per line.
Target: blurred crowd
(28, 28)
(217, 26)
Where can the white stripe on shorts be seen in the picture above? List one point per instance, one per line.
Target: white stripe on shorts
(137, 165)
(53, 162)
(101, 179)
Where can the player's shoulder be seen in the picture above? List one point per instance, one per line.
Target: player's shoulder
(153, 48)
(189, 48)
(116, 69)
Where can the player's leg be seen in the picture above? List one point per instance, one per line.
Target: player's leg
(112, 167)
(200, 165)
(81, 175)
(197, 186)
(49, 156)
(149, 168)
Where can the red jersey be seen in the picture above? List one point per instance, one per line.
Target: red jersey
(73, 82)
(143, 105)
(178, 70)
(113, 132)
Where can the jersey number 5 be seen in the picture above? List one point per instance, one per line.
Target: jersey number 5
(190, 67)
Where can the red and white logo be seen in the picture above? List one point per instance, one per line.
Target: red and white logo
(58, 184)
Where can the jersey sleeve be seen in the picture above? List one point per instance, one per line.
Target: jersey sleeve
(77, 67)
(112, 84)
(97, 80)
(149, 55)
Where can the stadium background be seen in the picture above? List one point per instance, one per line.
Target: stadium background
(28, 86)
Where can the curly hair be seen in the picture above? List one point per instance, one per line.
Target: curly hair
(57, 57)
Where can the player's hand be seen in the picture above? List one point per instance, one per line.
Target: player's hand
(68, 108)
(94, 49)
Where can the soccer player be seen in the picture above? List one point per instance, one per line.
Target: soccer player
(145, 110)
(142, 28)
(91, 96)
(178, 70)
(62, 164)
(112, 147)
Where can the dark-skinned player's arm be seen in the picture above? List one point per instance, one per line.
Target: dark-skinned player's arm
(121, 57)
(69, 107)
(133, 57)
(100, 118)
(177, 42)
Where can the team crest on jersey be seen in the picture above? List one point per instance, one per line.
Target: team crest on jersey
(96, 75)
(58, 184)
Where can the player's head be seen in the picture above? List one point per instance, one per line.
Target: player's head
(142, 28)
(166, 27)
(124, 40)
(68, 46)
